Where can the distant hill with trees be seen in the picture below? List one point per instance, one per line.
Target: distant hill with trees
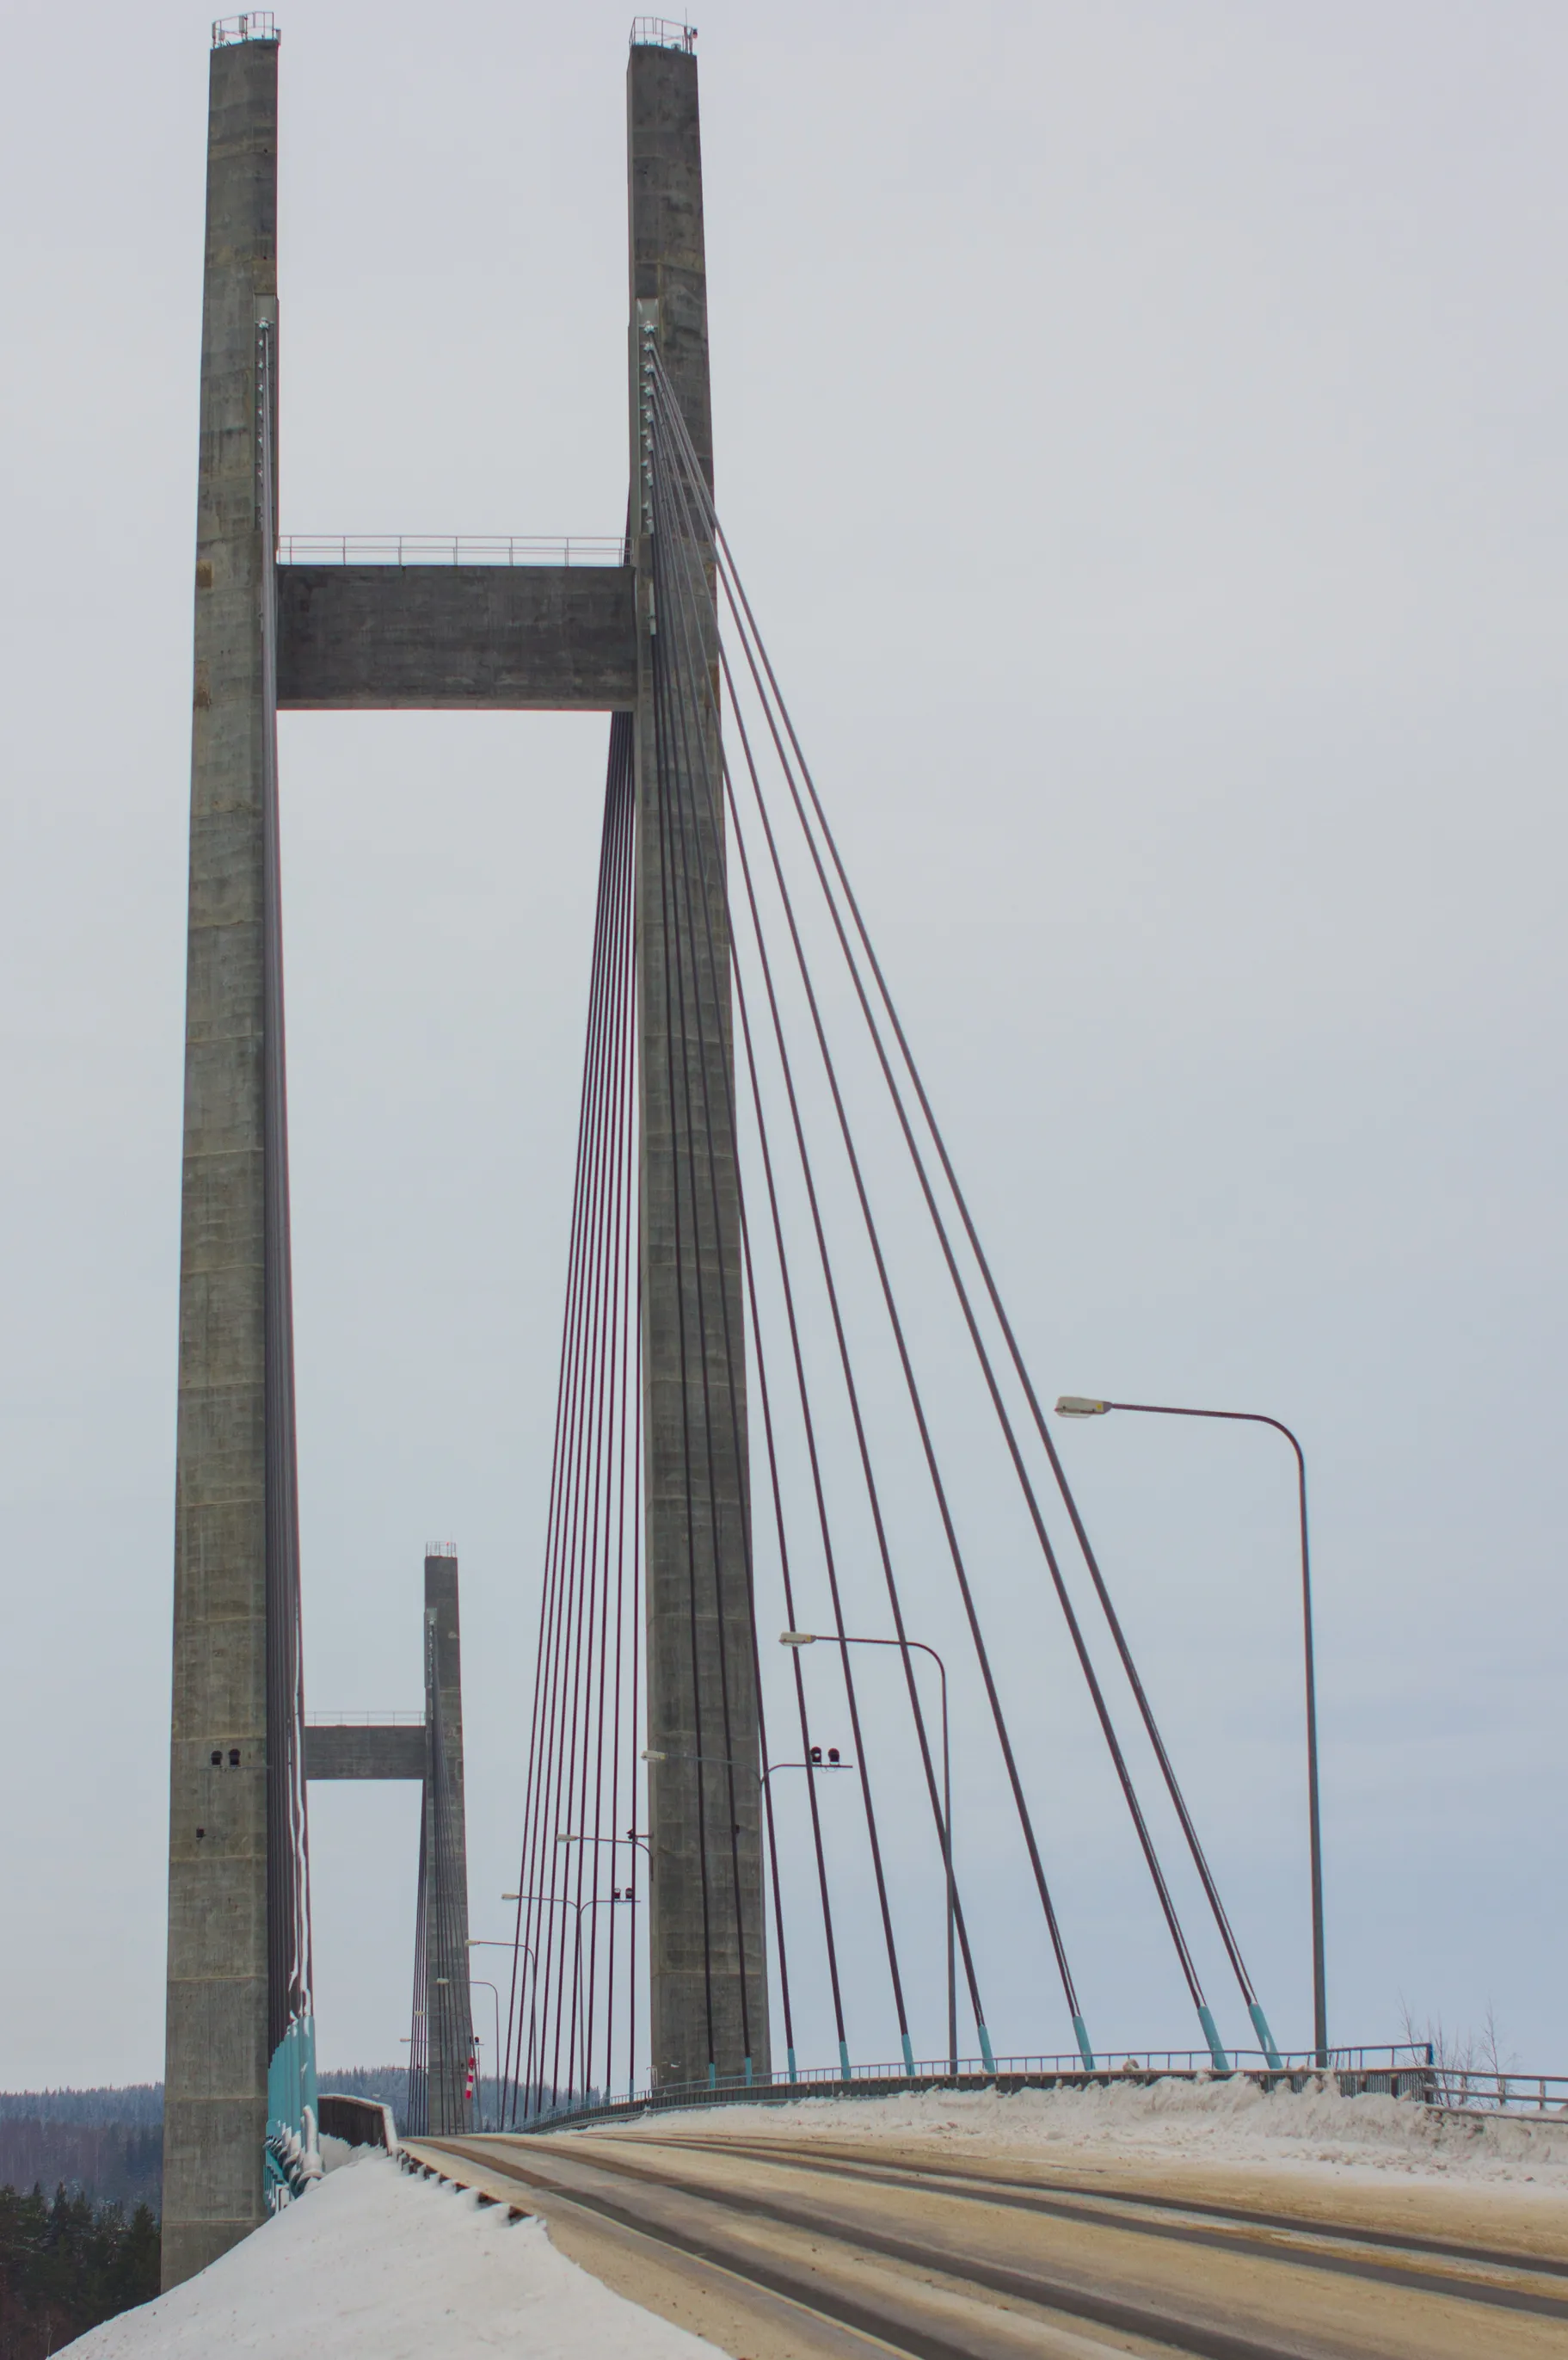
(66, 2263)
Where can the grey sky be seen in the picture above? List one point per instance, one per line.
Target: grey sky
(1142, 430)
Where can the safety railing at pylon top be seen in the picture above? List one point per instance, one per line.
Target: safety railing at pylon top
(662, 33)
(364, 1720)
(1398, 2069)
(449, 549)
(255, 24)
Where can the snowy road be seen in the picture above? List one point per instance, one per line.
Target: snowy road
(780, 2248)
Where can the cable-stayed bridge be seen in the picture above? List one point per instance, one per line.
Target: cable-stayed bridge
(807, 1519)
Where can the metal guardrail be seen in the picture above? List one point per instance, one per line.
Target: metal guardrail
(662, 33)
(364, 1720)
(456, 549)
(257, 24)
(362, 2122)
(1460, 2090)
(1399, 2070)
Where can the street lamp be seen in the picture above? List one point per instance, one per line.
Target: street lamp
(833, 1762)
(1081, 1406)
(809, 1639)
(487, 1943)
(560, 1901)
(478, 1982)
(796, 1639)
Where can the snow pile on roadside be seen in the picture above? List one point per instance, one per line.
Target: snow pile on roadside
(373, 2265)
(1220, 2123)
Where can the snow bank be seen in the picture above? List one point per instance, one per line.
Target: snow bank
(373, 2262)
(1219, 2123)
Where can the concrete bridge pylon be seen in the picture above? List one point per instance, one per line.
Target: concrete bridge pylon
(273, 636)
(430, 1750)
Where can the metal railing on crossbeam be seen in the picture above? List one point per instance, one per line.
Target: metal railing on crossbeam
(454, 549)
(364, 1720)
(663, 33)
(256, 25)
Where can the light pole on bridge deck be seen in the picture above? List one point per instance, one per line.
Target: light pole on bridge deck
(564, 1901)
(732, 1761)
(557, 1901)
(479, 1982)
(524, 1949)
(835, 1639)
(1081, 1406)
(799, 1639)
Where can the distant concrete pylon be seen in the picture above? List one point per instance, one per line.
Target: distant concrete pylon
(442, 2048)
(442, 2028)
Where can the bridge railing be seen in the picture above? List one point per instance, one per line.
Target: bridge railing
(364, 1720)
(361, 2122)
(663, 33)
(1462, 2090)
(449, 549)
(1400, 2069)
(256, 25)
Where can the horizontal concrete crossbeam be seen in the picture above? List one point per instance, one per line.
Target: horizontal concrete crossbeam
(349, 1751)
(541, 638)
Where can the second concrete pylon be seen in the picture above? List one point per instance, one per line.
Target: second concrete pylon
(706, 1935)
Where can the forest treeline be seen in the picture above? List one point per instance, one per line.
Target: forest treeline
(66, 2264)
(111, 2163)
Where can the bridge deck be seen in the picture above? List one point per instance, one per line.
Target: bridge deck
(796, 2246)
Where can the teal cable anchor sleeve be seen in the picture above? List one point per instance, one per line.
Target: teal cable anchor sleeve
(1222, 2062)
(908, 2053)
(1260, 2024)
(1080, 2036)
(843, 2057)
(793, 2075)
(986, 2057)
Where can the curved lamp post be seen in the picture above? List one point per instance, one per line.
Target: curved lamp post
(809, 1639)
(479, 1982)
(1081, 1406)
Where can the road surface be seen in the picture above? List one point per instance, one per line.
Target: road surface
(777, 2249)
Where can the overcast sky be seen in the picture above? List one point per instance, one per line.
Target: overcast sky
(1141, 427)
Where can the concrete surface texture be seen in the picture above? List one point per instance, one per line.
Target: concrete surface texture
(444, 1884)
(460, 638)
(215, 2106)
(347, 1750)
(709, 1982)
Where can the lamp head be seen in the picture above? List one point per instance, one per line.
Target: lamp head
(1079, 1405)
(797, 1638)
